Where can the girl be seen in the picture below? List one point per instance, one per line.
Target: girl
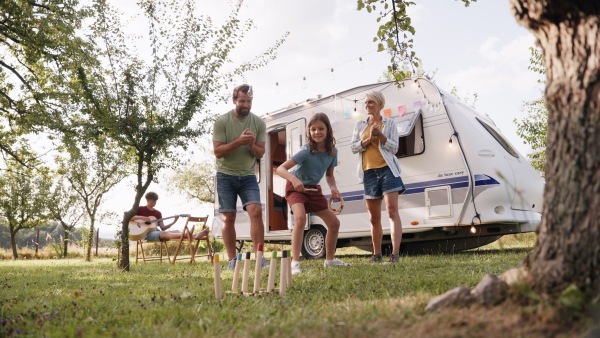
(303, 192)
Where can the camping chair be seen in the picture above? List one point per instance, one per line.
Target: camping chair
(193, 244)
(139, 247)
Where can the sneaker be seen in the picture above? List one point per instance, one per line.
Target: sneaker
(334, 262)
(376, 259)
(393, 259)
(264, 263)
(231, 265)
(296, 268)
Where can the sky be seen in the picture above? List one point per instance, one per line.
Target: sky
(479, 49)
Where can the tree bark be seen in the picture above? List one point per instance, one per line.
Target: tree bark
(90, 241)
(66, 243)
(13, 243)
(567, 250)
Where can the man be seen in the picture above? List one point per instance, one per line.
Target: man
(144, 213)
(239, 140)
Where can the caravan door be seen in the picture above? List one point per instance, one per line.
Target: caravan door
(295, 132)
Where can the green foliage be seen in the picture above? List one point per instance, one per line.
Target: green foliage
(37, 41)
(395, 34)
(51, 233)
(23, 194)
(405, 72)
(145, 104)
(91, 172)
(533, 129)
(468, 98)
(573, 298)
(196, 181)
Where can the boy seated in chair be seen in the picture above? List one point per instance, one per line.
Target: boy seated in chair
(144, 213)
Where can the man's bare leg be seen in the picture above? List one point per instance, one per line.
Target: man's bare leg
(257, 228)
(228, 233)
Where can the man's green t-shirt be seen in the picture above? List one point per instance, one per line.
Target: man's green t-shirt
(228, 128)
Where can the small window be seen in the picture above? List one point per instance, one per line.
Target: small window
(503, 142)
(411, 140)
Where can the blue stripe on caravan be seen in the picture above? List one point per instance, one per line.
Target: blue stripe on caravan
(417, 188)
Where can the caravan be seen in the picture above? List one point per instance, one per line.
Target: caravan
(466, 185)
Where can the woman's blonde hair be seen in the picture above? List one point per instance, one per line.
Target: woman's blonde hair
(376, 96)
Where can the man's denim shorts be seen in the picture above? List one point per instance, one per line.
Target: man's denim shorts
(229, 187)
(154, 236)
(381, 181)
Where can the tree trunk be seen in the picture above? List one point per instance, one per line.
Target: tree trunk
(90, 242)
(13, 244)
(124, 262)
(66, 243)
(567, 250)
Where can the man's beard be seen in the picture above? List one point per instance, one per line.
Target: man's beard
(243, 112)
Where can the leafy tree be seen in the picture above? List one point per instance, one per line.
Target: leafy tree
(147, 105)
(66, 207)
(91, 173)
(566, 252)
(534, 128)
(23, 195)
(37, 39)
(195, 181)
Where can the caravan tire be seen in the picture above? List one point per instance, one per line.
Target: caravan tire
(313, 243)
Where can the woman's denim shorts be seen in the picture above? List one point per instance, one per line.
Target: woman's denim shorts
(381, 181)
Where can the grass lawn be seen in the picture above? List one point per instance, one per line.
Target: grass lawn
(63, 298)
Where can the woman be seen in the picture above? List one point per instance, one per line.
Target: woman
(376, 142)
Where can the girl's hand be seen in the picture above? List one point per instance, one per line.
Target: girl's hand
(298, 185)
(336, 194)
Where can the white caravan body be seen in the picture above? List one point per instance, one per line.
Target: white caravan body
(466, 186)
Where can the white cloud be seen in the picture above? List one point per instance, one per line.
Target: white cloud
(417, 13)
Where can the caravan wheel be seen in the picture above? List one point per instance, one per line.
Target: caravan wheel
(313, 245)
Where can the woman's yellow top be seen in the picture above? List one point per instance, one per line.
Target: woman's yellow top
(371, 157)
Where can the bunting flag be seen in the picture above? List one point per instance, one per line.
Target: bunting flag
(387, 112)
(402, 110)
(417, 106)
(347, 112)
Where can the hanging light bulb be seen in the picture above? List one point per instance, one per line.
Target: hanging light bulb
(331, 75)
(276, 87)
(304, 83)
(417, 87)
(450, 142)
(361, 64)
(473, 229)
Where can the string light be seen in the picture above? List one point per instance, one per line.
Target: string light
(276, 87)
(331, 75)
(304, 85)
(361, 64)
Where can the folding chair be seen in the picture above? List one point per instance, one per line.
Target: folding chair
(193, 244)
(139, 247)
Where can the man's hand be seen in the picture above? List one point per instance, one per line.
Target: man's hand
(247, 138)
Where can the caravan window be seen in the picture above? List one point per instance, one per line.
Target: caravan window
(410, 132)
(503, 142)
